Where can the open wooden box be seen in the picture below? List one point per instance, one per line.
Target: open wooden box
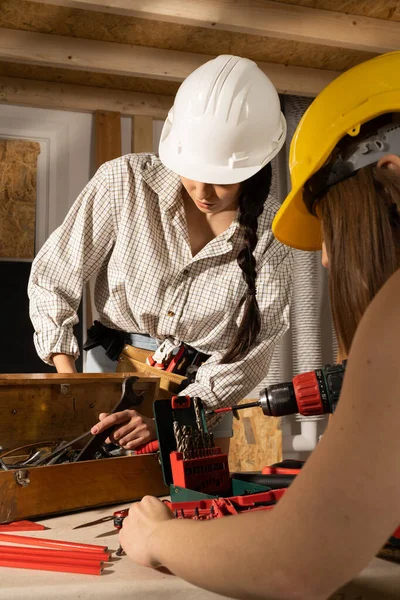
(47, 407)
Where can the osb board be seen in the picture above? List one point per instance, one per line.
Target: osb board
(257, 441)
(18, 160)
(102, 80)
(378, 9)
(129, 30)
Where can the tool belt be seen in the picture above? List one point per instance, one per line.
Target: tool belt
(136, 360)
(133, 360)
(111, 340)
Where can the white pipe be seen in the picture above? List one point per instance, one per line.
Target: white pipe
(307, 440)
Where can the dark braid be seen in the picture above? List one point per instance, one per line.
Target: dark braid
(251, 204)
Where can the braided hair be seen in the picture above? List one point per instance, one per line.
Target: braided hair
(254, 193)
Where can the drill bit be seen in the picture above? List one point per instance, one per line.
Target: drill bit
(185, 443)
(199, 420)
(178, 436)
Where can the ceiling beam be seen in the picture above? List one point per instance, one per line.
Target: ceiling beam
(139, 61)
(260, 17)
(82, 98)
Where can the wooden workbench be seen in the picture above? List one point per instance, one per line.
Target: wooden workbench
(125, 580)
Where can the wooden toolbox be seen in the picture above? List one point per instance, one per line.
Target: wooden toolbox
(56, 407)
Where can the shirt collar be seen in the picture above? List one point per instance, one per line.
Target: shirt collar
(168, 186)
(165, 183)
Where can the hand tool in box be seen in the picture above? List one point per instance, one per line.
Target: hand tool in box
(128, 399)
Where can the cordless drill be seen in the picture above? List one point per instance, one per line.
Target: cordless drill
(312, 393)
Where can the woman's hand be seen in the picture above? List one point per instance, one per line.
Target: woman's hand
(131, 429)
(143, 519)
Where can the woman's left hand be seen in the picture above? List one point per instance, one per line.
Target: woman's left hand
(138, 528)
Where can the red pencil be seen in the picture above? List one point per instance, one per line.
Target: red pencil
(40, 566)
(33, 541)
(49, 558)
(21, 526)
(17, 550)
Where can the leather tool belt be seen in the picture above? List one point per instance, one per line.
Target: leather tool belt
(139, 361)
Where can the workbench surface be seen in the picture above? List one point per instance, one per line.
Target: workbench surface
(126, 580)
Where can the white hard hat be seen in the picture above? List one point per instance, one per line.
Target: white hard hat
(225, 125)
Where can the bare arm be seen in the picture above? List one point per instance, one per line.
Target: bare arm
(335, 516)
(64, 363)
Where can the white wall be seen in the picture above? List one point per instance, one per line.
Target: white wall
(66, 160)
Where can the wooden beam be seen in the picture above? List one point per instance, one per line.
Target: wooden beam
(260, 17)
(140, 61)
(63, 96)
(108, 136)
(142, 134)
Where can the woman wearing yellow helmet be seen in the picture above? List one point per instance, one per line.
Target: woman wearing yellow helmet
(345, 171)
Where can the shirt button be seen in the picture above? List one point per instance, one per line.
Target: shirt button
(170, 313)
(185, 272)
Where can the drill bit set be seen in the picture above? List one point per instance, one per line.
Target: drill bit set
(193, 442)
(191, 463)
(197, 464)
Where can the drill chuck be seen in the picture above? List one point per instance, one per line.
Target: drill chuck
(278, 400)
(312, 393)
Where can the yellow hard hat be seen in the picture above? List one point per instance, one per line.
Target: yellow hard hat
(358, 95)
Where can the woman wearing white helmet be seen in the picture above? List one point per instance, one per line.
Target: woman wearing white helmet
(178, 244)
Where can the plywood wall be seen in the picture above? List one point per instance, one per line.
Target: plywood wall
(257, 441)
(18, 160)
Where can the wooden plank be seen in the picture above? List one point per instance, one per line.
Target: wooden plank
(125, 59)
(64, 96)
(75, 486)
(108, 136)
(142, 134)
(58, 378)
(260, 17)
(108, 147)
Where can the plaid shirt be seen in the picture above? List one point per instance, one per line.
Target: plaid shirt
(129, 226)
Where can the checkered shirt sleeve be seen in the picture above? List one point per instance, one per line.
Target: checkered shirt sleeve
(70, 256)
